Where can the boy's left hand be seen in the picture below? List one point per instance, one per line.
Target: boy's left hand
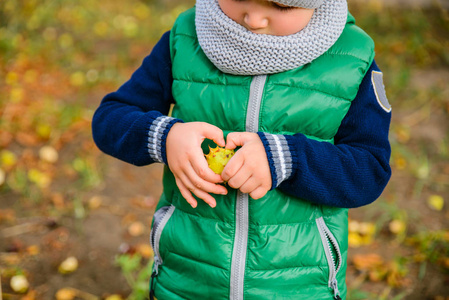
(248, 170)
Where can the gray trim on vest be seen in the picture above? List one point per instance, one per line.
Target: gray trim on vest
(235, 50)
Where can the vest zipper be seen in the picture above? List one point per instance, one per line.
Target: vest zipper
(240, 245)
(238, 263)
(155, 237)
(329, 241)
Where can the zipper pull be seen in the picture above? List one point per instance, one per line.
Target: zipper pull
(334, 286)
(157, 262)
(154, 274)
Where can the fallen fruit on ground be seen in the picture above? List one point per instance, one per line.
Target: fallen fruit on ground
(68, 266)
(19, 284)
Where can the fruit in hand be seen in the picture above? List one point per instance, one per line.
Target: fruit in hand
(218, 157)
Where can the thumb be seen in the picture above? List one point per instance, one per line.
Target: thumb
(214, 133)
(235, 139)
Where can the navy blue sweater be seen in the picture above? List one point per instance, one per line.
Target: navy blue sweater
(131, 124)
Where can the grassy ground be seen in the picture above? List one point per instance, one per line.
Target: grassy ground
(60, 197)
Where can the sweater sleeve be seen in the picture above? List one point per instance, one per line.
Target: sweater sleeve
(350, 173)
(131, 124)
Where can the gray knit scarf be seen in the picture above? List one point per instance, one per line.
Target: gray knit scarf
(235, 50)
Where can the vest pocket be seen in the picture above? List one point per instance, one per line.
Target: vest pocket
(333, 254)
(161, 217)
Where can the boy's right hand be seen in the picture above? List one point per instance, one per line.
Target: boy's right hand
(186, 160)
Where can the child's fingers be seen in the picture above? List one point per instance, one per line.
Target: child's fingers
(232, 140)
(235, 139)
(186, 193)
(214, 133)
(202, 188)
(233, 166)
(258, 192)
(205, 197)
(249, 185)
(240, 177)
(201, 168)
(187, 190)
(193, 181)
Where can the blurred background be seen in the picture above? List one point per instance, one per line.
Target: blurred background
(74, 223)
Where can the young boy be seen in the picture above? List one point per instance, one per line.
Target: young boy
(294, 85)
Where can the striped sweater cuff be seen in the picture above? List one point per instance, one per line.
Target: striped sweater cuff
(279, 157)
(157, 136)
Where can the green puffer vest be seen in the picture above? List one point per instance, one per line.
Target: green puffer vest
(277, 247)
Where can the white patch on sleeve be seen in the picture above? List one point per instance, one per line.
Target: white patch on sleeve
(379, 90)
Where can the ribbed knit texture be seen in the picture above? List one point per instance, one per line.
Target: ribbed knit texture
(157, 136)
(235, 50)
(279, 157)
(301, 3)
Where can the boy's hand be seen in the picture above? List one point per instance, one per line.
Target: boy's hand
(248, 170)
(186, 160)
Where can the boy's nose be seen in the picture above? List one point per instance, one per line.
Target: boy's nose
(255, 21)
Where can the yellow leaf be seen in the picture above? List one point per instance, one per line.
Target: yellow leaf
(354, 226)
(377, 275)
(77, 79)
(31, 76)
(10, 259)
(403, 135)
(367, 228)
(369, 261)
(131, 28)
(401, 163)
(114, 297)
(39, 178)
(43, 130)
(7, 158)
(11, 78)
(435, 202)
(367, 239)
(141, 11)
(354, 240)
(145, 250)
(136, 229)
(66, 40)
(95, 202)
(101, 28)
(17, 95)
(65, 294)
(33, 250)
